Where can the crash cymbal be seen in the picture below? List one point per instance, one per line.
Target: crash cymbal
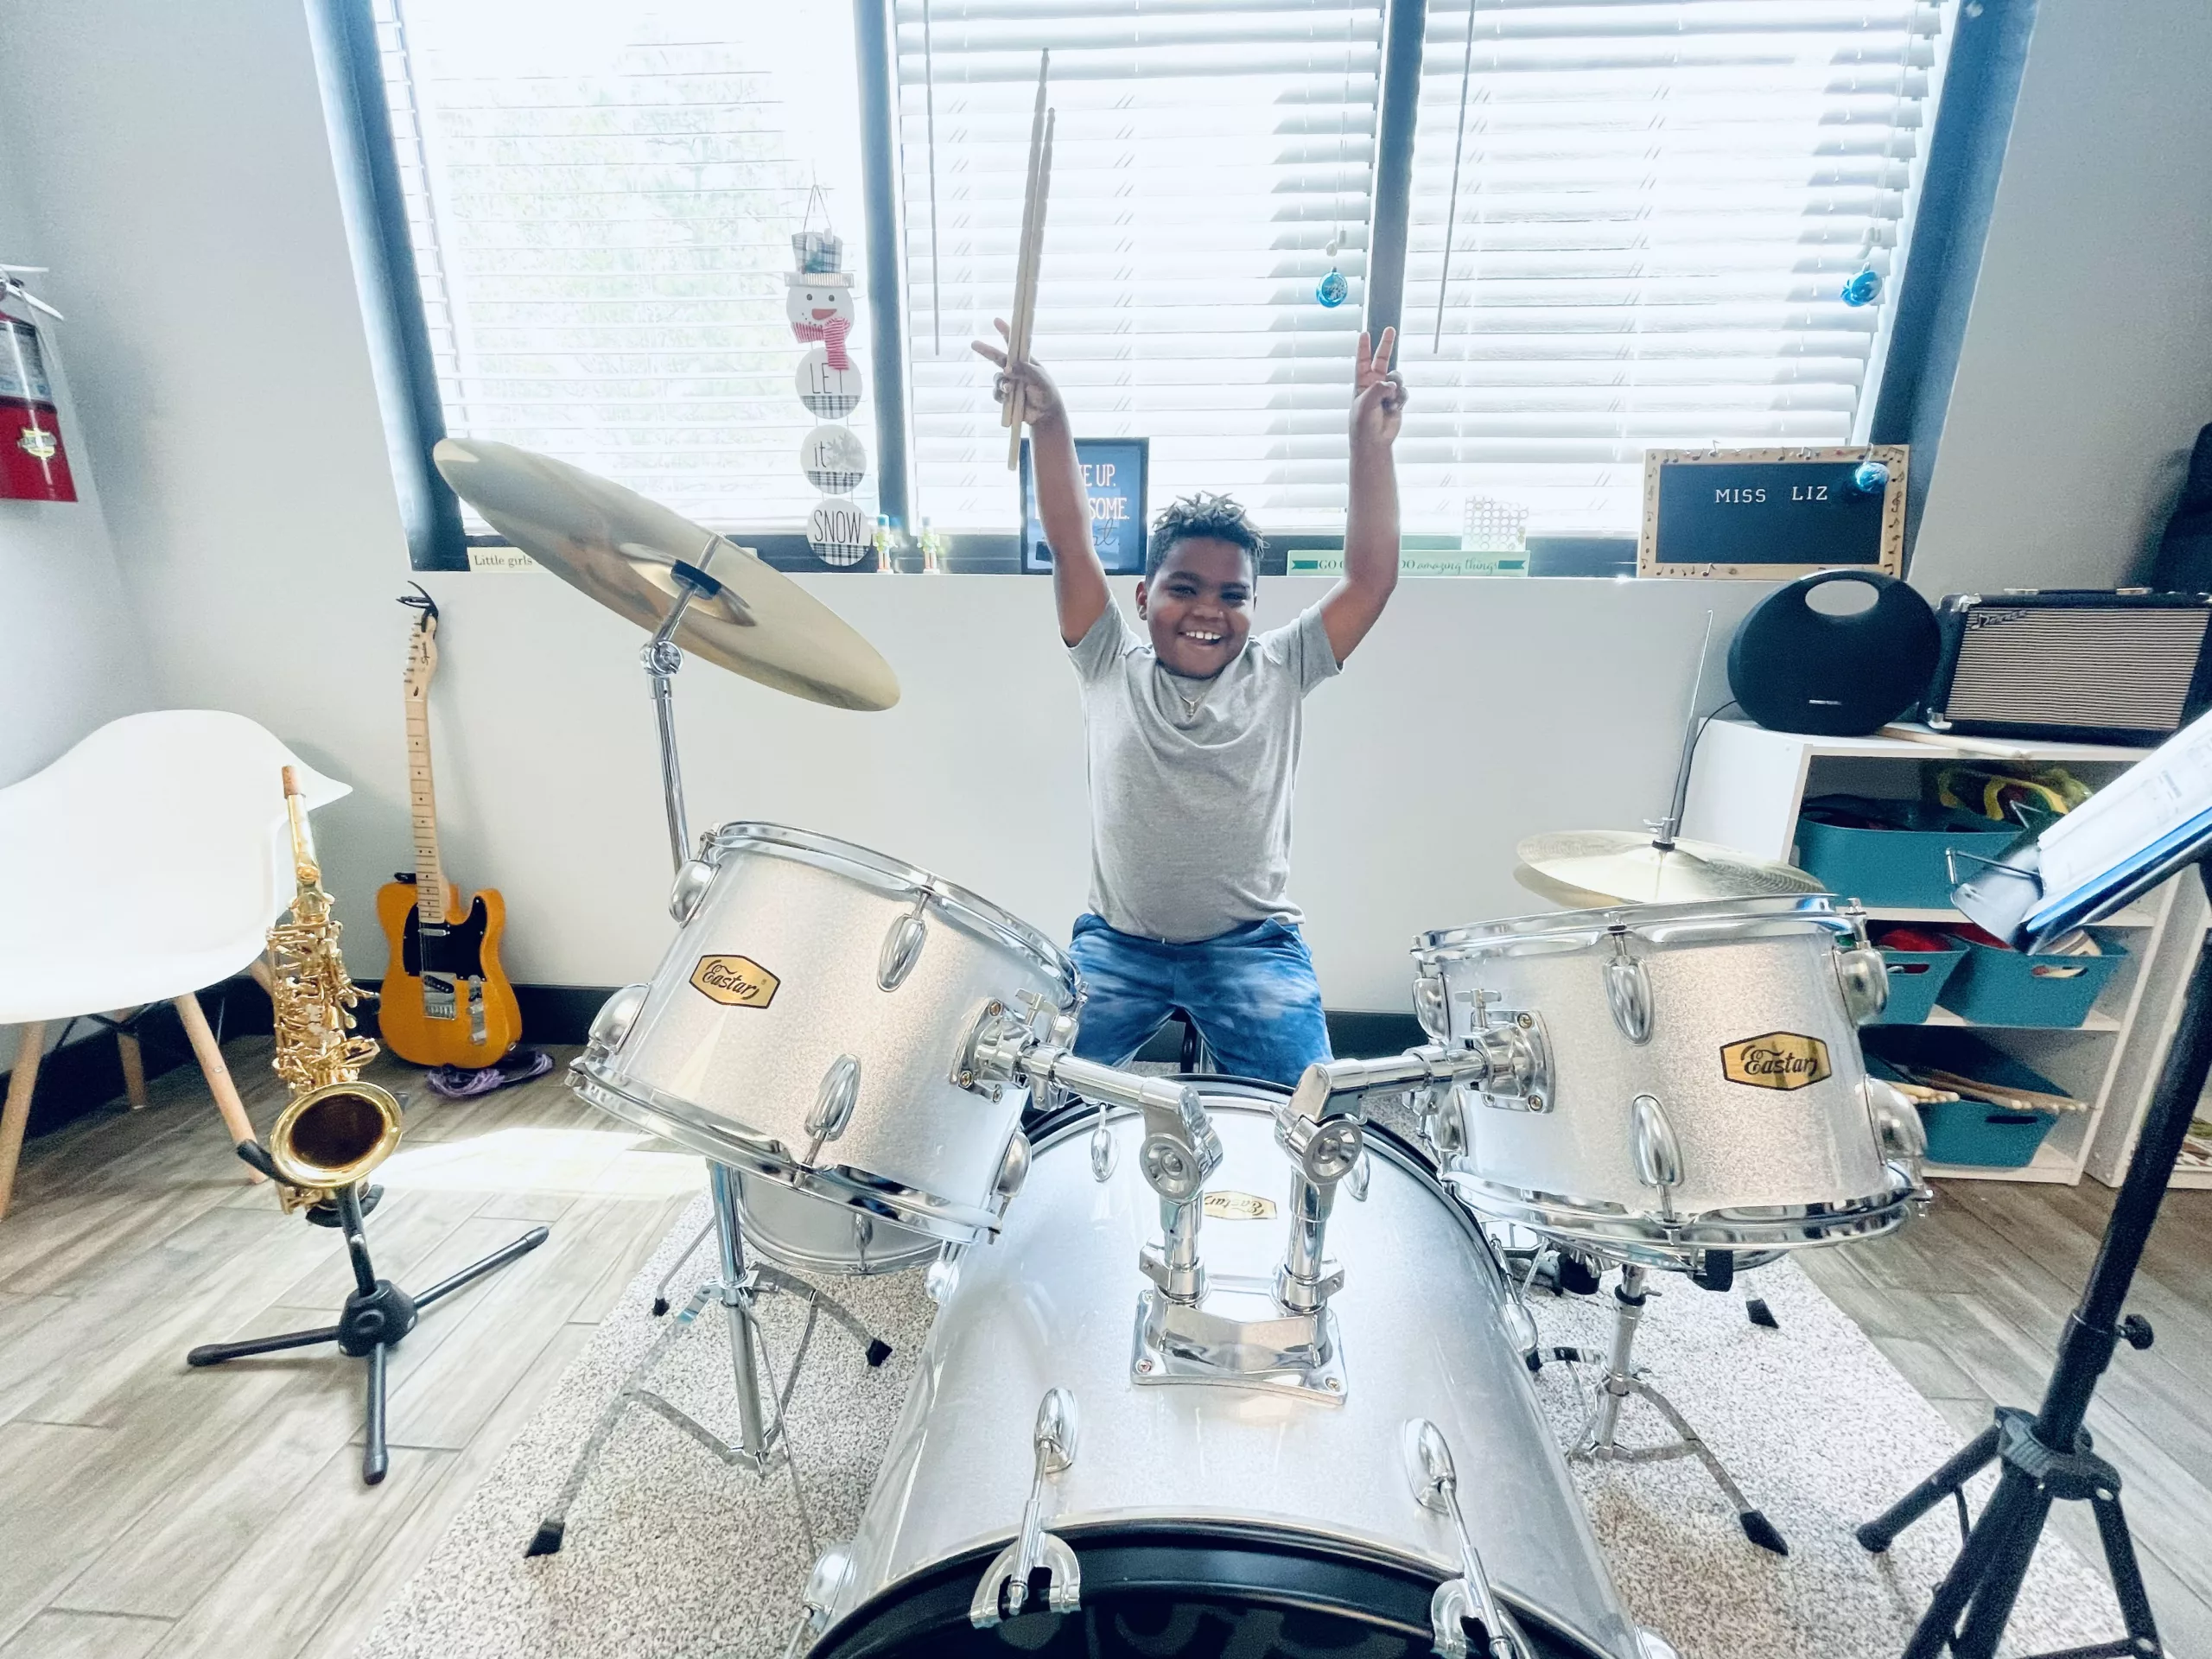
(619, 547)
(1590, 869)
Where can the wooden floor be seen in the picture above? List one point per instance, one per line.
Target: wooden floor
(146, 1509)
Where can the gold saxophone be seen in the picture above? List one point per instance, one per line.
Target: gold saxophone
(336, 1129)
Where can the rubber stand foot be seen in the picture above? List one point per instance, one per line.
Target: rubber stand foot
(547, 1541)
(1534, 1361)
(1870, 1538)
(1761, 1313)
(1577, 1277)
(660, 1305)
(1760, 1531)
(878, 1352)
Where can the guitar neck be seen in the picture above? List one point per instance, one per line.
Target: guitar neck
(431, 896)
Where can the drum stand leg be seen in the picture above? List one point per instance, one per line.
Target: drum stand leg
(1598, 1443)
(759, 1434)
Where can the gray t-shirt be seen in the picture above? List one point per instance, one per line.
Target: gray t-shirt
(1190, 779)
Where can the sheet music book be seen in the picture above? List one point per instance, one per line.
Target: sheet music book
(2153, 811)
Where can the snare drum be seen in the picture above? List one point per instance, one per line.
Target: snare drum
(1210, 1519)
(1703, 1086)
(803, 1029)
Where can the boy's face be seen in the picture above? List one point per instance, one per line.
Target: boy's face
(1200, 606)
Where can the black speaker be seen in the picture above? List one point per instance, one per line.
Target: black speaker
(1794, 669)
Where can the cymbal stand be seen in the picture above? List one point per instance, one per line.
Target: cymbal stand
(738, 1283)
(1598, 1443)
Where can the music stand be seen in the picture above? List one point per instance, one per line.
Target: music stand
(2048, 1458)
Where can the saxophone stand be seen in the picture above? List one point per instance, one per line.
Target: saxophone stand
(2048, 1458)
(376, 1314)
(759, 1435)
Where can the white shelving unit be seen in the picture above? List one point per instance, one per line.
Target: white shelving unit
(1746, 787)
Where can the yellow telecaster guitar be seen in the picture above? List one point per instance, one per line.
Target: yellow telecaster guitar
(445, 999)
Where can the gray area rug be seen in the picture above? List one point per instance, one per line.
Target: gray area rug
(669, 1555)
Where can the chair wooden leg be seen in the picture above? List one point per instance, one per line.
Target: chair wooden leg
(134, 1062)
(30, 1048)
(261, 975)
(218, 1075)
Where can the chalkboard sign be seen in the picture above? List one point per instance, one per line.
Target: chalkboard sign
(1114, 475)
(1772, 515)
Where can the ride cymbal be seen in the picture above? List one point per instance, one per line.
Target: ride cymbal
(1589, 869)
(619, 547)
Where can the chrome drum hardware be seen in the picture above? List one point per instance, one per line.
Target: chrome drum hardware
(1198, 1507)
(802, 1031)
(1705, 1090)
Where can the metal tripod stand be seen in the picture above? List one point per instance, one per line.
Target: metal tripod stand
(1598, 1443)
(376, 1314)
(738, 1285)
(2048, 1458)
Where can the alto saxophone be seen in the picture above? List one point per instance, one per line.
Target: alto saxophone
(336, 1128)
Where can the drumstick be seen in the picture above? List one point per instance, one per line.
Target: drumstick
(1009, 411)
(1022, 324)
(1025, 318)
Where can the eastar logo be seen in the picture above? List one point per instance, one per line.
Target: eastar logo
(38, 444)
(1238, 1206)
(1780, 1059)
(738, 982)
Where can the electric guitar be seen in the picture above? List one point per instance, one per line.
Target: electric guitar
(445, 1000)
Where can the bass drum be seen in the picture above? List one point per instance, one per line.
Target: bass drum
(1212, 1519)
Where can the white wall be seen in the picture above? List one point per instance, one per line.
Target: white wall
(183, 180)
(2086, 368)
(69, 660)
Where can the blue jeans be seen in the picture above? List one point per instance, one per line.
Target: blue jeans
(1250, 991)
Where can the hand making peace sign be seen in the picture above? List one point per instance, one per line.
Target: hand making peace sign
(1379, 396)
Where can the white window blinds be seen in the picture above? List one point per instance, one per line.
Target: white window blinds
(1206, 152)
(601, 195)
(1658, 205)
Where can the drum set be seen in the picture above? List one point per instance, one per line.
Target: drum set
(1218, 1366)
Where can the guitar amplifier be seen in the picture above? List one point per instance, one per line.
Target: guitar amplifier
(2091, 666)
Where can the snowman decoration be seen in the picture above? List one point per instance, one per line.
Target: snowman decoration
(818, 302)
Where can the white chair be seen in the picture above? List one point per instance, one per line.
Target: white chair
(147, 863)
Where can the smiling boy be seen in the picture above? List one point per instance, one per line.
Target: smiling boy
(1193, 731)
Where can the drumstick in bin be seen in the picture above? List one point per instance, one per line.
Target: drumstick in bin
(1023, 322)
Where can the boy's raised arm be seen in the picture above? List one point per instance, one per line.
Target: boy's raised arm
(1371, 517)
(1078, 579)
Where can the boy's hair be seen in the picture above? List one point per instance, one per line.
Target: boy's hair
(1215, 516)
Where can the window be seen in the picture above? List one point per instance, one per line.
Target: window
(1652, 208)
(601, 199)
(1205, 153)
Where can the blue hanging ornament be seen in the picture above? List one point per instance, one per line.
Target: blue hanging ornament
(1332, 290)
(1864, 288)
(1872, 478)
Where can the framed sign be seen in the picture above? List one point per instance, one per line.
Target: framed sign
(1114, 475)
(1772, 515)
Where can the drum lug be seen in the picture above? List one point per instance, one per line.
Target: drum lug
(834, 1101)
(1430, 1006)
(826, 1584)
(615, 1017)
(902, 946)
(1014, 1167)
(1657, 1153)
(1628, 993)
(1004, 1589)
(691, 884)
(1864, 974)
(1467, 1599)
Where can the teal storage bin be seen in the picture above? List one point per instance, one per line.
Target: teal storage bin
(1995, 987)
(1987, 1136)
(1917, 982)
(1899, 867)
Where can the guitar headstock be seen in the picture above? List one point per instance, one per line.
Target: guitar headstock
(422, 644)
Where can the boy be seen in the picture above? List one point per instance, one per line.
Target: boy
(1194, 737)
